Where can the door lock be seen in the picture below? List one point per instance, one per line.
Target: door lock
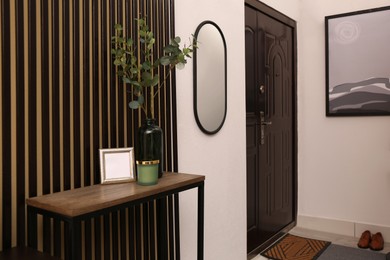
(263, 123)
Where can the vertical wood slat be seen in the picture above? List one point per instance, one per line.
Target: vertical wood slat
(132, 233)
(103, 74)
(20, 122)
(122, 228)
(152, 231)
(55, 119)
(86, 119)
(86, 91)
(112, 13)
(96, 121)
(6, 123)
(97, 238)
(66, 94)
(105, 92)
(55, 95)
(137, 229)
(114, 235)
(106, 236)
(119, 88)
(1, 129)
(145, 230)
(173, 109)
(74, 102)
(32, 116)
(76, 95)
(45, 120)
(13, 87)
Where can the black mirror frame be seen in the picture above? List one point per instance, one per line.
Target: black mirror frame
(195, 58)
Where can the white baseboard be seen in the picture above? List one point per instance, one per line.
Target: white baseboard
(341, 227)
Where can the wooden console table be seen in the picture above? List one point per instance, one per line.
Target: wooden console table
(74, 206)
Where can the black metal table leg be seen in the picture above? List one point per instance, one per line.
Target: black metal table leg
(32, 228)
(200, 221)
(177, 226)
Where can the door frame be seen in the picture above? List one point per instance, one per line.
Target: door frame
(269, 11)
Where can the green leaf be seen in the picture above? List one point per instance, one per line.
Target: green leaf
(118, 27)
(181, 57)
(133, 59)
(141, 99)
(165, 60)
(146, 76)
(180, 66)
(186, 51)
(146, 65)
(170, 48)
(136, 84)
(138, 89)
(141, 21)
(134, 104)
(177, 39)
(155, 81)
(126, 80)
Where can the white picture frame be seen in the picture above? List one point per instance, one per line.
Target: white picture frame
(117, 165)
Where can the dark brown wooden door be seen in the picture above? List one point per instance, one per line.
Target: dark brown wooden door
(270, 126)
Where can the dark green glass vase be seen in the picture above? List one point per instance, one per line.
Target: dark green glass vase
(150, 144)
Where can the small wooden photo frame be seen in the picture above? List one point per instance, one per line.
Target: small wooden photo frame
(117, 165)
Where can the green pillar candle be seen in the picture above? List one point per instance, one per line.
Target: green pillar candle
(147, 172)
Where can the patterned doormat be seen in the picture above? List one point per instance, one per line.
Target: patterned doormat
(292, 247)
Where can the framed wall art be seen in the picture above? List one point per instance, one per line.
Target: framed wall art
(117, 165)
(358, 63)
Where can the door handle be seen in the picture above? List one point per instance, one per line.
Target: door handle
(263, 123)
(262, 89)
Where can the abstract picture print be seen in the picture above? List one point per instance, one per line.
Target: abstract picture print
(358, 63)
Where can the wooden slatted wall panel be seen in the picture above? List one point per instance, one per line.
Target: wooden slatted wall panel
(60, 102)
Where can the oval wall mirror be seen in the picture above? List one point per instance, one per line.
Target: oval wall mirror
(210, 85)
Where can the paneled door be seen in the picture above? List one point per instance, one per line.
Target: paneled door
(270, 125)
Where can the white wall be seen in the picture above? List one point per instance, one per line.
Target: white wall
(344, 169)
(220, 157)
(344, 163)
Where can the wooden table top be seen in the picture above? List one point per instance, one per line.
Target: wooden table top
(76, 202)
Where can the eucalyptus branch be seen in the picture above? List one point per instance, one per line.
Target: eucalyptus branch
(171, 67)
(141, 74)
(144, 109)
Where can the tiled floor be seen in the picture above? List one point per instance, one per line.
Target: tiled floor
(335, 239)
